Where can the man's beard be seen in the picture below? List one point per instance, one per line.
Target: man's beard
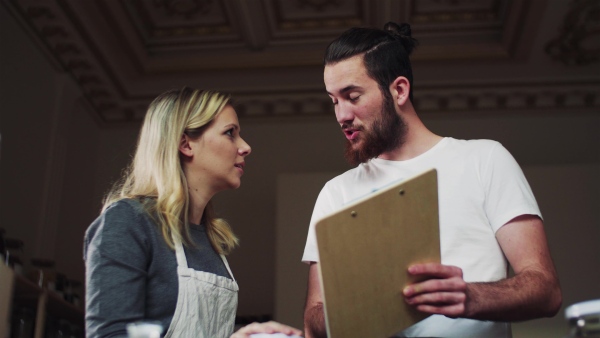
(385, 133)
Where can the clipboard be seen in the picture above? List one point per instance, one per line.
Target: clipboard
(365, 250)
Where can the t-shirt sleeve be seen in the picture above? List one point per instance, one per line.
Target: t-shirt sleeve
(508, 194)
(116, 253)
(323, 206)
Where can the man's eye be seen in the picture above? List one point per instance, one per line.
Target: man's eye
(355, 98)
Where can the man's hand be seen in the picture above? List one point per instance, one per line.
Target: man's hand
(532, 292)
(443, 290)
(269, 327)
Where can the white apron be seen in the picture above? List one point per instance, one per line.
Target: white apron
(206, 303)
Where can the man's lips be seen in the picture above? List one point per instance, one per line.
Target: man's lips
(351, 134)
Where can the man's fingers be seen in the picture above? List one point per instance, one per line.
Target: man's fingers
(437, 298)
(452, 311)
(269, 327)
(435, 270)
(442, 292)
(436, 285)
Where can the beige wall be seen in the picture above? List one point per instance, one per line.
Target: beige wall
(56, 163)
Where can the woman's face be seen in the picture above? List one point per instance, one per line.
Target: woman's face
(217, 160)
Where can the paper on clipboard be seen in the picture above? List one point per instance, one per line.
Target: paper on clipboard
(364, 252)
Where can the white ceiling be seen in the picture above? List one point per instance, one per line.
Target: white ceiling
(477, 56)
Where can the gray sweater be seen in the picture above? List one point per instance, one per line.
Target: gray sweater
(131, 274)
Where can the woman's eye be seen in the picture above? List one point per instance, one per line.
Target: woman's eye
(229, 132)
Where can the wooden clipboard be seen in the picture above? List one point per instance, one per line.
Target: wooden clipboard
(364, 252)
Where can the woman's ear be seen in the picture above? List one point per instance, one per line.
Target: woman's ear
(185, 148)
(400, 88)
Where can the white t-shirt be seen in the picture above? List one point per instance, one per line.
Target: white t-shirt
(481, 188)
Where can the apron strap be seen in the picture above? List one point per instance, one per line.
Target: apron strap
(227, 266)
(181, 260)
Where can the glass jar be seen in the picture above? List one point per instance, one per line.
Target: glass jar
(63, 329)
(2, 247)
(14, 248)
(23, 321)
(72, 291)
(144, 329)
(50, 326)
(77, 331)
(584, 319)
(61, 284)
(43, 273)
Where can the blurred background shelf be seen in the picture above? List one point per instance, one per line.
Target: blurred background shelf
(16, 291)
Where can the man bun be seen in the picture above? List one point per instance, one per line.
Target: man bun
(402, 33)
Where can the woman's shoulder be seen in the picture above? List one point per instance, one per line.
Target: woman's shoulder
(124, 218)
(126, 205)
(124, 232)
(128, 211)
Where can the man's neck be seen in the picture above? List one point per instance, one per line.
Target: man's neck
(417, 141)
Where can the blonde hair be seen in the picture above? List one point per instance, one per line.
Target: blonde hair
(155, 177)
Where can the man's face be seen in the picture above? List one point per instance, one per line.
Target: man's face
(367, 117)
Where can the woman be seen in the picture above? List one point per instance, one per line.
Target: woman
(157, 251)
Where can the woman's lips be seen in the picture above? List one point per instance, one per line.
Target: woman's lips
(240, 167)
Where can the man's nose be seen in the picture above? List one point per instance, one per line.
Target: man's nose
(343, 113)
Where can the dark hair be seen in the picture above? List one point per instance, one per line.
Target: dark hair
(385, 52)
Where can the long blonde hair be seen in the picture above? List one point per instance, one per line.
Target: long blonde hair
(155, 177)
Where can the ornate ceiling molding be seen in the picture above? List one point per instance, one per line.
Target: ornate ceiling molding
(576, 43)
(473, 99)
(123, 53)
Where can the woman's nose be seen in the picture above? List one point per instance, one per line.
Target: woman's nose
(244, 148)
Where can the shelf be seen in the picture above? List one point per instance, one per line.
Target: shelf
(45, 302)
(7, 282)
(26, 293)
(58, 307)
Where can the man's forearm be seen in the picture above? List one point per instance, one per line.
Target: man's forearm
(314, 322)
(528, 295)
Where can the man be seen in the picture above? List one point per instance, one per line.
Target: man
(488, 214)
